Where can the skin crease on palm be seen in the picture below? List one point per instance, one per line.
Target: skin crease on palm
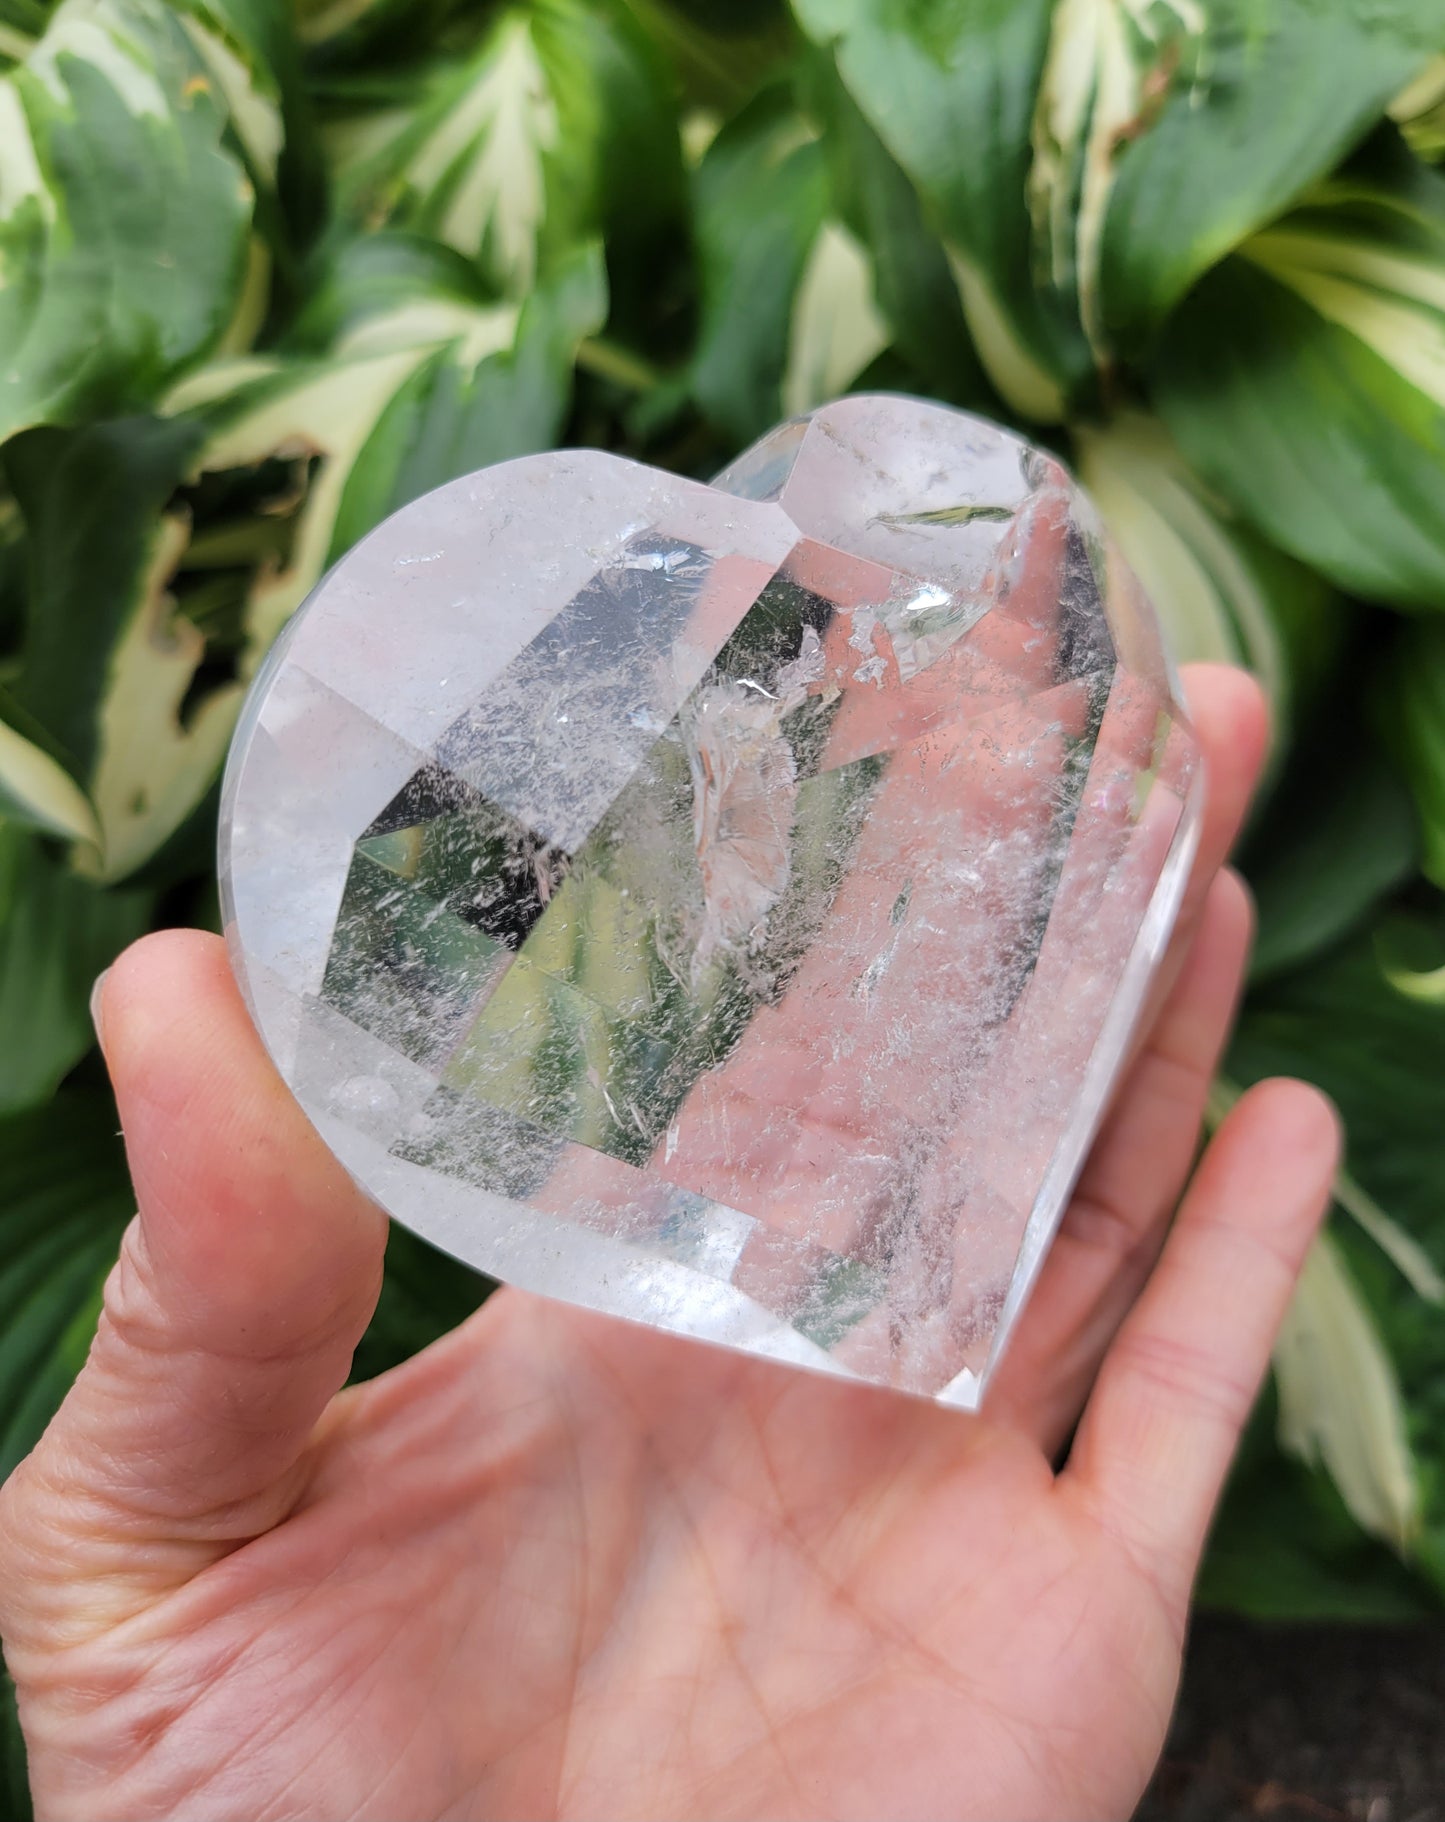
(562, 1566)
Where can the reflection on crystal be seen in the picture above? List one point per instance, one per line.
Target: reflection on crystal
(771, 894)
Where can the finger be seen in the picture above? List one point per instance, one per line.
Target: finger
(1176, 1387)
(1115, 1224)
(241, 1291)
(1231, 721)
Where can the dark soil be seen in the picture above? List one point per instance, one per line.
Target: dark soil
(1306, 1724)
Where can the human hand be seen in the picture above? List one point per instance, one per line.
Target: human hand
(561, 1566)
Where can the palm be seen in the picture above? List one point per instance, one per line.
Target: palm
(615, 1575)
(562, 1566)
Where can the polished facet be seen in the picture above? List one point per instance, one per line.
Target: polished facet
(727, 906)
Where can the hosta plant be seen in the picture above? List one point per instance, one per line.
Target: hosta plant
(271, 268)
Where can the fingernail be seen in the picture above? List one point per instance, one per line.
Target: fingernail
(96, 994)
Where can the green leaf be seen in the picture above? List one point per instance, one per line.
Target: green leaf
(12, 569)
(57, 932)
(65, 1199)
(951, 91)
(27, 17)
(1337, 836)
(14, 1776)
(762, 198)
(1243, 104)
(1412, 719)
(1222, 593)
(1334, 318)
(721, 54)
(1381, 1057)
(123, 217)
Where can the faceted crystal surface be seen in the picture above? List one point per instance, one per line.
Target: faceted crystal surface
(728, 907)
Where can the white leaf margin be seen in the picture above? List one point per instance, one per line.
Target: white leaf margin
(42, 792)
(1340, 1403)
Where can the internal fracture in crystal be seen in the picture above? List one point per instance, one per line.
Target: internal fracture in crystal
(726, 906)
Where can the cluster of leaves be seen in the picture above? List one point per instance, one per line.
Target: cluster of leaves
(271, 268)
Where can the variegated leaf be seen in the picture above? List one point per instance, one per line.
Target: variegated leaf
(1340, 1404)
(1222, 593)
(152, 766)
(321, 20)
(550, 129)
(1381, 1057)
(145, 765)
(21, 23)
(173, 614)
(347, 427)
(952, 93)
(466, 163)
(314, 418)
(1305, 379)
(1110, 64)
(245, 84)
(836, 328)
(815, 261)
(109, 288)
(1243, 105)
(108, 661)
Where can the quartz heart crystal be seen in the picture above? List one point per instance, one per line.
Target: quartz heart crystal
(727, 906)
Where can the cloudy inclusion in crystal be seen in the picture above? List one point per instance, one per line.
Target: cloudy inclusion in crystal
(727, 907)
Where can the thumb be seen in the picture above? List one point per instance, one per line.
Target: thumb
(229, 1321)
